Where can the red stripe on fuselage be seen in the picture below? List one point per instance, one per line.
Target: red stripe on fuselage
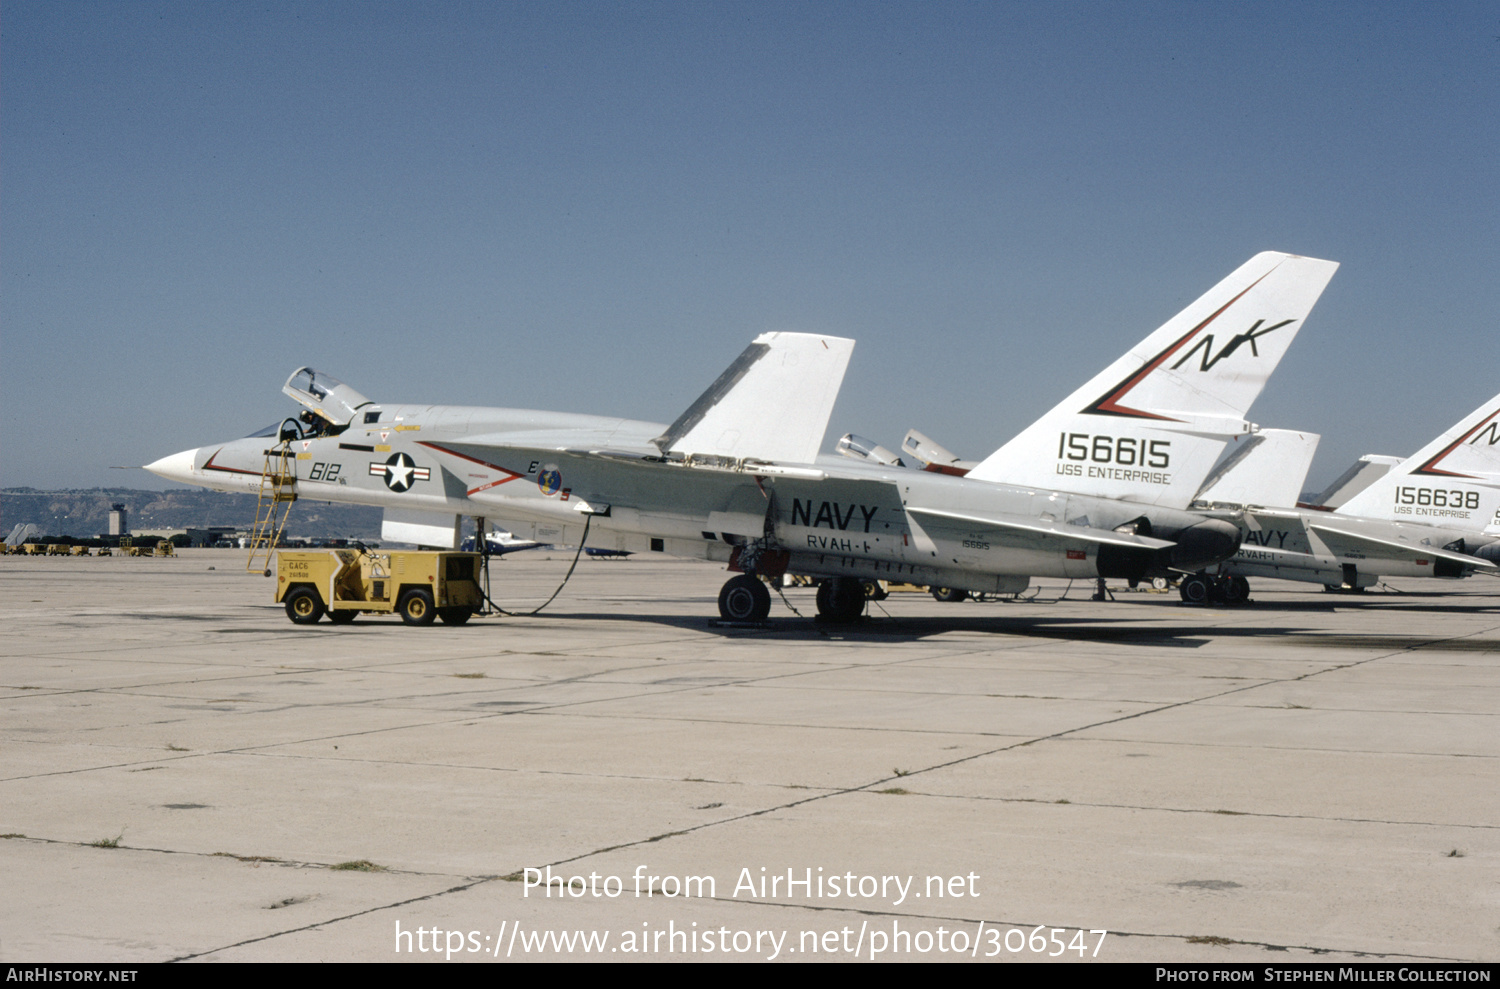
(228, 470)
(512, 475)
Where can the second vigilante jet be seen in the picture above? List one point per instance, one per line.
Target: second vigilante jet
(1425, 517)
(1096, 488)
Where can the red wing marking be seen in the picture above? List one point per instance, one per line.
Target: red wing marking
(510, 475)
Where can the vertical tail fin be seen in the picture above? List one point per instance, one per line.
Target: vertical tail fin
(772, 403)
(1150, 426)
(1360, 475)
(1267, 470)
(1452, 481)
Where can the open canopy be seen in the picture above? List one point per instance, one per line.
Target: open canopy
(324, 394)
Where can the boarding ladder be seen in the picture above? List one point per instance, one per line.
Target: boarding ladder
(278, 489)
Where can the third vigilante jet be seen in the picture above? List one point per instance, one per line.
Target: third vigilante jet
(1425, 517)
(1097, 487)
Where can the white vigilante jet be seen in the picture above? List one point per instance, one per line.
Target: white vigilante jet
(1425, 517)
(1097, 487)
(1435, 514)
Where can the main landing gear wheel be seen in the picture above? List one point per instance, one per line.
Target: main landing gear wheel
(951, 594)
(1195, 589)
(1236, 590)
(416, 607)
(744, 598)
(303, 606)
(342, 616)
(455, 615)
(841, 600)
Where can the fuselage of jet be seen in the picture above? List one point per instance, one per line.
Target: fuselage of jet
(1332, 549)
(542, 474)
(1425, 516)
(1095, 488)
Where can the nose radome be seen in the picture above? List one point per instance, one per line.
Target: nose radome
(176, 467)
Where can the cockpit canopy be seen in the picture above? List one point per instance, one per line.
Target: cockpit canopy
(324, 394)
(856, 447)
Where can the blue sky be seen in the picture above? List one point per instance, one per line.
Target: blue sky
(594, 207)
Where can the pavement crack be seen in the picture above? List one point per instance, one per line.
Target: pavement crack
(333, 920)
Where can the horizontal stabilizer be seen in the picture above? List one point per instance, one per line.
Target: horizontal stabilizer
(1036, 527)
(772, 403)
(1343, 543)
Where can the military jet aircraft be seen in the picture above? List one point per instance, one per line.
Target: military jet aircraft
(1424, 517)
(737, 477)
(1414, 519)
(498, 542)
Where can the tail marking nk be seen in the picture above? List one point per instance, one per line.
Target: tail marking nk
(1478, 433)
(1109, 404)
(1207, 345)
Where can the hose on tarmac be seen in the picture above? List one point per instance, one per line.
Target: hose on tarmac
(587, 519)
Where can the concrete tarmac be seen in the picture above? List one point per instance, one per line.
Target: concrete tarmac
(183, 772)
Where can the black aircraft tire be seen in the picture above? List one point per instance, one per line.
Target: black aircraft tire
(845, 600)
(950, 594)
(455, 615)
(303, 606)
(416, 607)
(1237, 590)
(1195, 589)
(342, 616)
(744, 598)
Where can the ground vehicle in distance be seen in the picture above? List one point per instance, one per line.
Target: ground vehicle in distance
(419, 586)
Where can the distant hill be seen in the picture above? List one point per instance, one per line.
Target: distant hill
(86, 512)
